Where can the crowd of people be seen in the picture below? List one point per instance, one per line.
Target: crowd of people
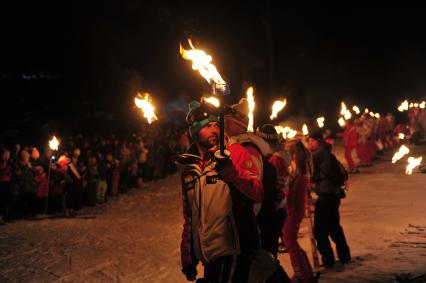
(242, 202)
(83, 172)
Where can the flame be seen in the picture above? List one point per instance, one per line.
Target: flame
(422, 104)
(250, 99)
(212, 100)
(277, 107)
(345, 112)
(286, 132)
(320, 121)
(348, 115)
(54, 143)
(202, 62)
(403, 150)
(366, 110)
(305, 130)
(377, 115)
(401, 136)
(356, 110)
(144, 103)
(343, 109)
(341, 122)
(416, 105)
(404, 106)
(412, 163)
(411, 105)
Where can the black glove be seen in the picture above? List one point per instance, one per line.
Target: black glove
(222, 160)
(190, 272)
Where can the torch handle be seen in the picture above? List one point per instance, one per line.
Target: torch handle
(222, 129)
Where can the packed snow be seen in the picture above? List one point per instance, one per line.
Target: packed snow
(136, 236)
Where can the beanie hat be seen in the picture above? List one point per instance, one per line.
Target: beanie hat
(267, 132)
(317, 135)
(197, 117)
(239, 112)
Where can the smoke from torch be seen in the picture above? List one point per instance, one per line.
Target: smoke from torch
(277, 107)
(403, 150)
(250, 99)
(412, 163)
(144, 103)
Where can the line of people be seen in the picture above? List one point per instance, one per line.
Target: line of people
(239, 202)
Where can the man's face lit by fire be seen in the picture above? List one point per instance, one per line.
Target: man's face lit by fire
(208, 136)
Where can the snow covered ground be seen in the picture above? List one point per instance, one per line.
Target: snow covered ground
(135, 237)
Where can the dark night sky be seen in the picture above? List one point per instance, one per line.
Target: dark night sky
(315, 54)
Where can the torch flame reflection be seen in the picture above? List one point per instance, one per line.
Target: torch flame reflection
(212, 100)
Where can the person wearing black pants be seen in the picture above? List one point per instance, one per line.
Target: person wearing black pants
(327, 224)
(327, 219)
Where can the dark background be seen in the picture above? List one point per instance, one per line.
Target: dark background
(76, 65)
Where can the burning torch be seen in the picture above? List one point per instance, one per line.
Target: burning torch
(54, 146)
(201, 61)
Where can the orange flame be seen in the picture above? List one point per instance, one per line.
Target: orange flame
(201, 62)
(403, 107)
(305, 130)
(320, 121)
(54, 143)
(144, 103)
(403, 150)
(277, 107)
(250, 99)
(341, 122)
(412, 163)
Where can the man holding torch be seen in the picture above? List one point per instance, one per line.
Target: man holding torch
(215, 190)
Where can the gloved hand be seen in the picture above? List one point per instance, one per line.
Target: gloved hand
(190, 272)
(222, 160)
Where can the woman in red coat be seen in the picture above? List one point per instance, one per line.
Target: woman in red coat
(300, 174)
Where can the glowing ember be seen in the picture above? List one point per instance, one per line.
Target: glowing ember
(250, 99)
(412, 163)
(54, 143)
(305, 130)
(320, 122)
(202, 62)
(356, 110)
(212, 100)
(401, 136)
(277, 107)
(144, 103)
(341, 122)
(403, 150)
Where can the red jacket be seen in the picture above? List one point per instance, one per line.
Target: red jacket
(281, 166)
(350, 136)
(42, 186)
